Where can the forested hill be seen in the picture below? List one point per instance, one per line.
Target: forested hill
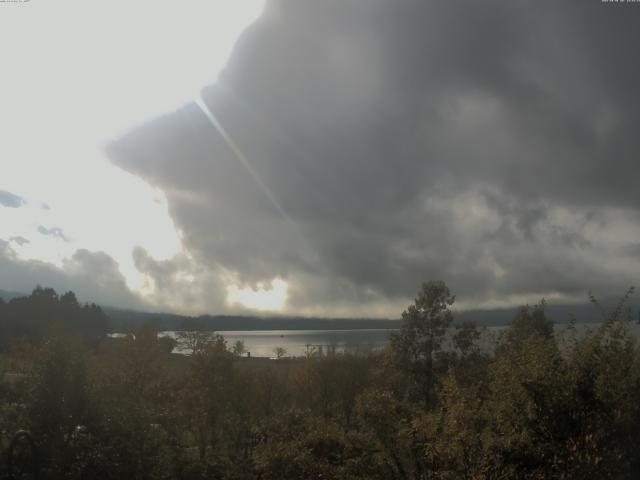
(127, 319)
(122, 320)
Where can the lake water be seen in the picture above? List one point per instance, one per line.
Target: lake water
(297, 343)
(263, 343)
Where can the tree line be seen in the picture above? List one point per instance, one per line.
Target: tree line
(434, 405)
(35, 316)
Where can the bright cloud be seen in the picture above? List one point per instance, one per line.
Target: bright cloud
(270, 297)
(77, 74)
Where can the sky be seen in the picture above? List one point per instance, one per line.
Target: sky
(319, 158)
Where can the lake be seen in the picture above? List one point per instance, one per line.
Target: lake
(298, 343)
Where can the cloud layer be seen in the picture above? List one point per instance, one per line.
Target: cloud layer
(93, 276)
(361, 147)
(11, 200)
(55, 232)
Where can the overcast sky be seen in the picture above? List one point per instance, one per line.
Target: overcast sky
(347, 151)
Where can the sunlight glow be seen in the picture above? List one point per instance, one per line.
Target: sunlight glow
(271, 297)
(77, 74)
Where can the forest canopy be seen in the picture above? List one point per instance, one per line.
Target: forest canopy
(542, 403)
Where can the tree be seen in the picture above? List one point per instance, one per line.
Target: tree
(239, 348)
(424, 327)
(195, 341)
(466, 338)
(69, 300)
(59, 404)
(529, 322)
(34, 317)
(167, 344)
(207, 395)
(280, 352)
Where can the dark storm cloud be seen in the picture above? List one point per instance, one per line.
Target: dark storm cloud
(93, 276)
(490, 144)
(55, 232)
(11, 200)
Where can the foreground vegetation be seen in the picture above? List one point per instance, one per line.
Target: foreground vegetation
(536, 407)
